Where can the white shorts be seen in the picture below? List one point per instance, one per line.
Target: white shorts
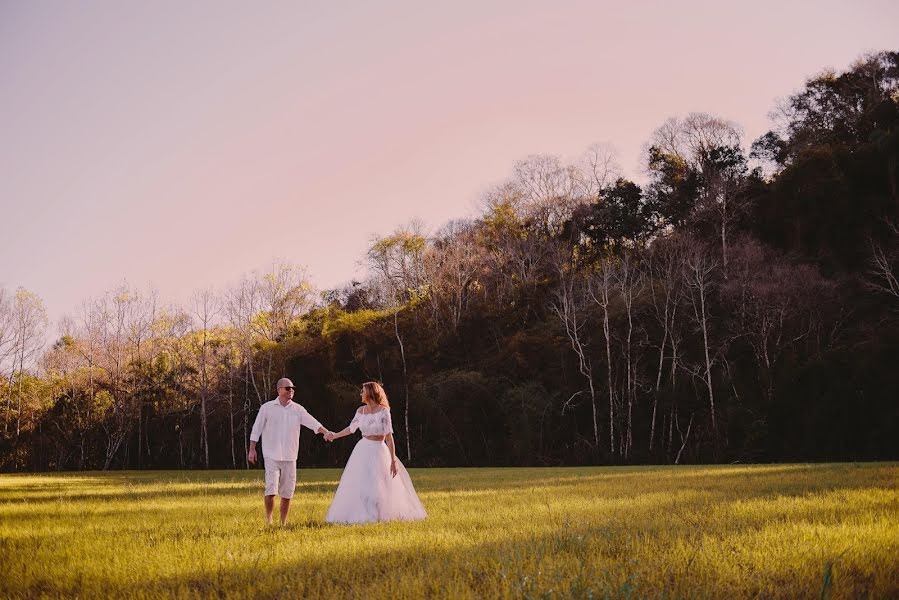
(280, 477)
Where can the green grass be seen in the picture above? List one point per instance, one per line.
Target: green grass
(785, 531)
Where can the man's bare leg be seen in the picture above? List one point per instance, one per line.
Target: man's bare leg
(269, 507)
(285, 508)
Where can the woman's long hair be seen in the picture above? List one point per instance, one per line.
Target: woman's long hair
(376, 393)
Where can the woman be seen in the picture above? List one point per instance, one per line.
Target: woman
(374, 486)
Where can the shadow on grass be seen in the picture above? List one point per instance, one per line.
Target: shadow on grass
(127, 489)
(127, 492)
(524, 567)
(685, 514)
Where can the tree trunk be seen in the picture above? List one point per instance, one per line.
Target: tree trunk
(567, 310)
(655, 396)
(399, 339)
(140, 433)
(204, 434)
(708, 362)
(684, 440)
(630, 386)
(231, 416)
(724, 246)
(605, 328)
(246, 417)
(8, 418)
(21, 378)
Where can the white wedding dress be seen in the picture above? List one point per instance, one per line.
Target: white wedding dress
(367, 493)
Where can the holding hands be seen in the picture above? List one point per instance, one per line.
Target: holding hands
(329, 435)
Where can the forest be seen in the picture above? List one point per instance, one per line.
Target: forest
(739, 304)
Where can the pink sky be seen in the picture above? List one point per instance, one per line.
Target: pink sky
(183, 144)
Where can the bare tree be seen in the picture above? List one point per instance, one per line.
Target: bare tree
(242, 303)
(723, 174)
(570, 304)
(112, 310)
(6, 328)
(120, 327)
(29, 324)
(629, 283)
(600, 288)
(665, 266)
(284, 294)
(683, 437)
(60, 365)
(87, 333)
(597, 169)
(699, 273)
(544, 190)
(884, 268)
(548, 188)
(709, 145)
(451, 266)
(141, 317)
(7, 347)
(205, 308)
(397, 262)
(517, 257)
(674, 342)
(261, 308)
(694, 136)
(774, 305)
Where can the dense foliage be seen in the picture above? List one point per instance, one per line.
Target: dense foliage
(740, 305)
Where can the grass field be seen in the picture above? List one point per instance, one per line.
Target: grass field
(791, 531)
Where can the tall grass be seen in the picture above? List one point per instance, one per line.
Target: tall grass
(772, 531)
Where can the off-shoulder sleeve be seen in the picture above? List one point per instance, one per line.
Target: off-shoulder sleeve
(354, 424)
(388, 423)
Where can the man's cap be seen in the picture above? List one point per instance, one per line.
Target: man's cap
(285, 383)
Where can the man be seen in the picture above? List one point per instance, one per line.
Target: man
(278, 424)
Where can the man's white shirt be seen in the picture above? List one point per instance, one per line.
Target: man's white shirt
(279, 427)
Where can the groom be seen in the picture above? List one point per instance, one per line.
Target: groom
(278, 423)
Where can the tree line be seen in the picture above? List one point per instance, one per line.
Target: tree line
(739, 305)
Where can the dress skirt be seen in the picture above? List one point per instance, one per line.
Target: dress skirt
(367, 493)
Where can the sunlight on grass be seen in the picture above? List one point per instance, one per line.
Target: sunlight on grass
(736, 531)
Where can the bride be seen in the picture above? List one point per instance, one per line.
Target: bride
(375, 485)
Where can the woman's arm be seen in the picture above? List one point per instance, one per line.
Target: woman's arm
(342, 433)
(392, 447)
